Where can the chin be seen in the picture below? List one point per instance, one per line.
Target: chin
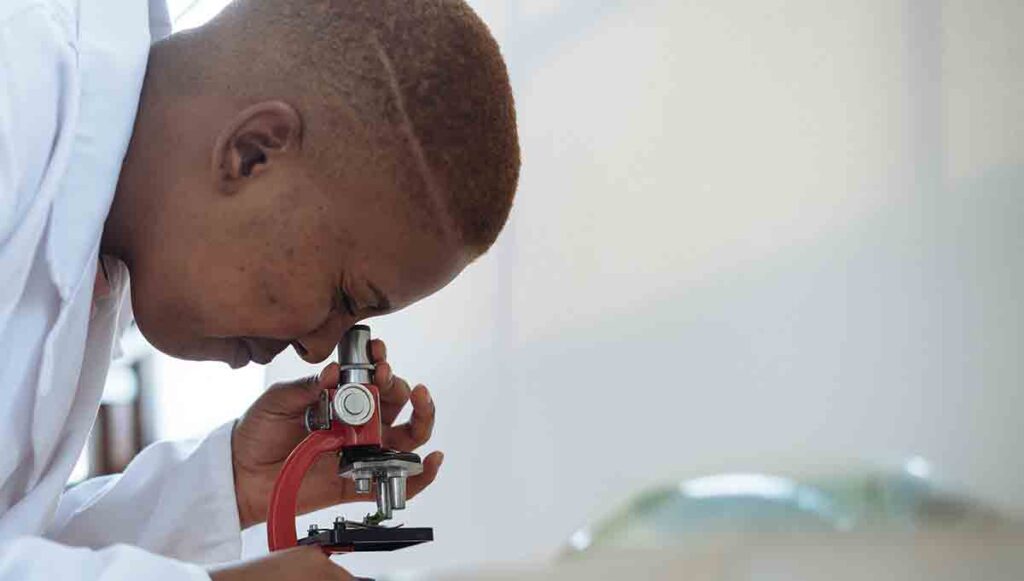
(174, 345)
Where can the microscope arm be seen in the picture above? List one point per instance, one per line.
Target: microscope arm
(284, 499)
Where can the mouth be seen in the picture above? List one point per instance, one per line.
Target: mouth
(259, 353)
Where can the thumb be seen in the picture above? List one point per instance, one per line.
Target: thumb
(328, 377)
(294, 396)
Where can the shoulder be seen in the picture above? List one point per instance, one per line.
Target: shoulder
(37, 98)
(59, 12)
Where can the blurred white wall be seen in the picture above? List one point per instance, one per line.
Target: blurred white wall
(745, 231)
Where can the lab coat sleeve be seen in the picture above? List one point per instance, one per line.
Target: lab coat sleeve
(176, 499)
(33, 558)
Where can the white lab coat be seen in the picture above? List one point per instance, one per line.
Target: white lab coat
(71, 72)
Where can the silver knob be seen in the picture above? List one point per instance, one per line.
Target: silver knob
(353, 404)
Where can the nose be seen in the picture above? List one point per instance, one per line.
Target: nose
(318, 345)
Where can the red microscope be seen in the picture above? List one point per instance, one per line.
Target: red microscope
(346, 421)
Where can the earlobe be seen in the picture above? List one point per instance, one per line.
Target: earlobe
(253, 141)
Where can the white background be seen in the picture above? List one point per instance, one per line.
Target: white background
(781, 232)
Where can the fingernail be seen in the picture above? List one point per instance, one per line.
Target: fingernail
(323, 373)
(440, 459)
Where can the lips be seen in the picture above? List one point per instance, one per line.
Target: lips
(261, 352)
(242, 355)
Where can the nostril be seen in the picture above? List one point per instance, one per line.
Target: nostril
(300, 348)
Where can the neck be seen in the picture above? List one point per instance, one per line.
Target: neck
(133, 198)
(119, 234)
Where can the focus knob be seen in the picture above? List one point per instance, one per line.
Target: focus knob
(353, 404)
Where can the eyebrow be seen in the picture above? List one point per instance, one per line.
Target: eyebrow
(383, 304)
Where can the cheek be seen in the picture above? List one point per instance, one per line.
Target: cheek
(284, 302)
(277, 284)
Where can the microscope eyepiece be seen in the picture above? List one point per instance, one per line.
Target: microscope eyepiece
(354, 355)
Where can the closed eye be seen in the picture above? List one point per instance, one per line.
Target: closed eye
(344, 302)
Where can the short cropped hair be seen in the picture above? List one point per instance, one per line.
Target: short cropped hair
(424, 77)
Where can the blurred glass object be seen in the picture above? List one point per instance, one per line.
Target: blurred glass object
(739, 503)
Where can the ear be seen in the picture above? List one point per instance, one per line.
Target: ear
(253, 141)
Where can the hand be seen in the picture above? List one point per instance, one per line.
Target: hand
(298, 564)
(275, 424)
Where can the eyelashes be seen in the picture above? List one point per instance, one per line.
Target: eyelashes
(344, 302)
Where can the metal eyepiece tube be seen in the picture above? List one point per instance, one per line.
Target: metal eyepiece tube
(354, 355)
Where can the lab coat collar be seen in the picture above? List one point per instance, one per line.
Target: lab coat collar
(113, 46)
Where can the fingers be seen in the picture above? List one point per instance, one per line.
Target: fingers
(298, 564)
(431, 465)
(378, 351)
(413, 434)
(394, 393)
(294, 397)
(328, 377)
(312, 565)
(322, 487)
